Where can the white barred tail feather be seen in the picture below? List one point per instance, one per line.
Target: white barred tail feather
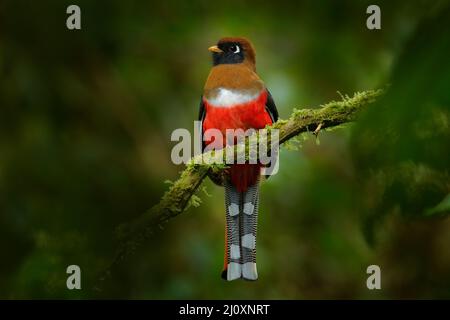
(241, 227)
(233, 247)
(250, 201)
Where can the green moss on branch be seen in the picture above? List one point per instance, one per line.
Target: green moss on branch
(177, 198)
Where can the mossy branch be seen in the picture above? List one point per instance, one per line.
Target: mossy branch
(176, 199)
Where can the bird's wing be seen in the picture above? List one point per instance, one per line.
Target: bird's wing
(271, 107)
(272, 110)
(201, 118)
(217, 178)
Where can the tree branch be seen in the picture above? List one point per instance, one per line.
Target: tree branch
(177, 198)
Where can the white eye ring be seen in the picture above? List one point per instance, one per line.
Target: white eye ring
(237, 49)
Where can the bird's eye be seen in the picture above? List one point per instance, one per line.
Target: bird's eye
(235, 49)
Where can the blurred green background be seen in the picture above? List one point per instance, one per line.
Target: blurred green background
(85, 124)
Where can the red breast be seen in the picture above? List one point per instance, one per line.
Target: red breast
(249, 112)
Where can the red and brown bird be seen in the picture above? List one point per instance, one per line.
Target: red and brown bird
(235, 97)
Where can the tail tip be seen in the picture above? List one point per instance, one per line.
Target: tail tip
(249, 271)
(246, 271)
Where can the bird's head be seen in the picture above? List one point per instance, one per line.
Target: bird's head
(232, 50)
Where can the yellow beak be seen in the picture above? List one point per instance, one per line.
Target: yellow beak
(215, 49)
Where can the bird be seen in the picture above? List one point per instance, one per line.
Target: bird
(235, 97)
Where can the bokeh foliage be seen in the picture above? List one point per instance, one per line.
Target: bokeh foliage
(85, 123)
